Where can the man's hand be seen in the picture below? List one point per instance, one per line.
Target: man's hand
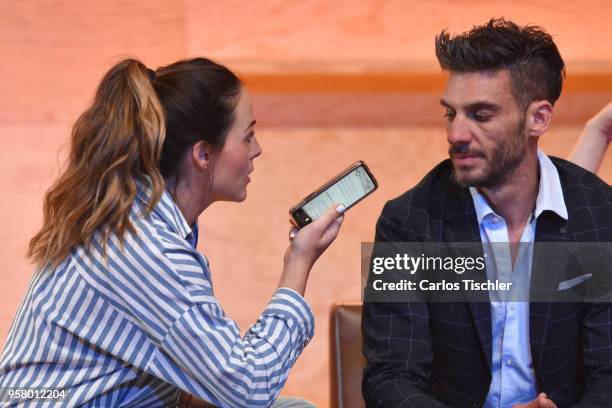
(541, 401)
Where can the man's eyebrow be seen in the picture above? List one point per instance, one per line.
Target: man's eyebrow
(445, 104)
(250, 125)
(483, 105)
(474, 106)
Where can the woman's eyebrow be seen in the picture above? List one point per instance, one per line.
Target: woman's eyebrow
(250, 125)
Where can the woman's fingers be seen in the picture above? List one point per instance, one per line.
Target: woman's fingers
(332, 230)
(314, 238)
(328, 217)
(292, 233)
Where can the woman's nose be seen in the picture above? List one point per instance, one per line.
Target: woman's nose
(257, 151)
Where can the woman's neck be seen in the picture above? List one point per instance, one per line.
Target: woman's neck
(190, 199)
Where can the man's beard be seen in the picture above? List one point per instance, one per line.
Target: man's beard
(503, 160)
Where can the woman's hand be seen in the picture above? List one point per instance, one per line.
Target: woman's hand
(307, 244)
(592, 144)
(601, 123)
(312, 240)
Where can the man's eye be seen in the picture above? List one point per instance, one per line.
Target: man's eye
(481, 117)
(449, 115)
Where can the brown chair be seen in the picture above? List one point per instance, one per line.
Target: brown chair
(347, 361)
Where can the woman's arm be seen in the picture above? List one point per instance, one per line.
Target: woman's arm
(307, 245)
(594, 140)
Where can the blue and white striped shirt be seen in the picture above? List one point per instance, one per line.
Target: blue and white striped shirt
(133, 327)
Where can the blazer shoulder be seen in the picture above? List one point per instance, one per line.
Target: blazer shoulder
(576, 181)
(417, 206)
(588, 200)
(431, 185)
(571, 172)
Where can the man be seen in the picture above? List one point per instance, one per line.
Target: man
(496, 187)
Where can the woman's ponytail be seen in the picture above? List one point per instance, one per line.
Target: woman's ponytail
(115, 143)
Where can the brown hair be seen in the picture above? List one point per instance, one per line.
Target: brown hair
(138, 129)
(528, 53)
(115, 142)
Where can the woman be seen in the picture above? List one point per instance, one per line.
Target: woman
(594, 140)
(121, 311)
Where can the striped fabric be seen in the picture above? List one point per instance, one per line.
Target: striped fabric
(133, 327)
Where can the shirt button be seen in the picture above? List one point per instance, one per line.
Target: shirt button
(509, 362)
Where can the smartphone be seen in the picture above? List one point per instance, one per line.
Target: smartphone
(347, 188)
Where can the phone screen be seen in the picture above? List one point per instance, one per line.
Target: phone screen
(345, 191)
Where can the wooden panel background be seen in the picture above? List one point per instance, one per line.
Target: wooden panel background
(333, 82)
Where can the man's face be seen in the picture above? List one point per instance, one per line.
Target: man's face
(484, 126)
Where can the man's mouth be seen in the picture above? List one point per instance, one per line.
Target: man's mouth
(461, 155)
(464, 159)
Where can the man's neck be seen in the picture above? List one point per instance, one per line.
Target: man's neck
(514, 199)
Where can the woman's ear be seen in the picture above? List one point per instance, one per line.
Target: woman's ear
(539, 115)
(202, 155)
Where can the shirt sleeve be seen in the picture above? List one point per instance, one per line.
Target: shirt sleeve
(174, 328)
(205, 354)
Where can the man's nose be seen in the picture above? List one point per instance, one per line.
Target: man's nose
(458, 131)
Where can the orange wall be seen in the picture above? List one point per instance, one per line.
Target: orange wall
(55, 51)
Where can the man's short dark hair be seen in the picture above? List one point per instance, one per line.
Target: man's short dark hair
(528, 53)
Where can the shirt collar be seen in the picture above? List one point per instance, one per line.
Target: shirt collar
(481, 206)
(550, 193)
(166, 209)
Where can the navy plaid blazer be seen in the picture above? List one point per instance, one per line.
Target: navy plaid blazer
(439, 354)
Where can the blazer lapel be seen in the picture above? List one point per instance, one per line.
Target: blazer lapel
(461, 225)
(550, 228)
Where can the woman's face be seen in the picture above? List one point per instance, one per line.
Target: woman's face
(235, 161)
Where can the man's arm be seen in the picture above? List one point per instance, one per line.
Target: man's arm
(397, 342)
(397, 346)
(594, 140)
(597, 351)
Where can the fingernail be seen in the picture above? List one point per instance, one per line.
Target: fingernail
(340, 209)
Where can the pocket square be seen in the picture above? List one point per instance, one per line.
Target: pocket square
(570, 283)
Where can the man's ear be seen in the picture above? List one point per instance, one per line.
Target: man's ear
(538, 118)
(202, 155)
